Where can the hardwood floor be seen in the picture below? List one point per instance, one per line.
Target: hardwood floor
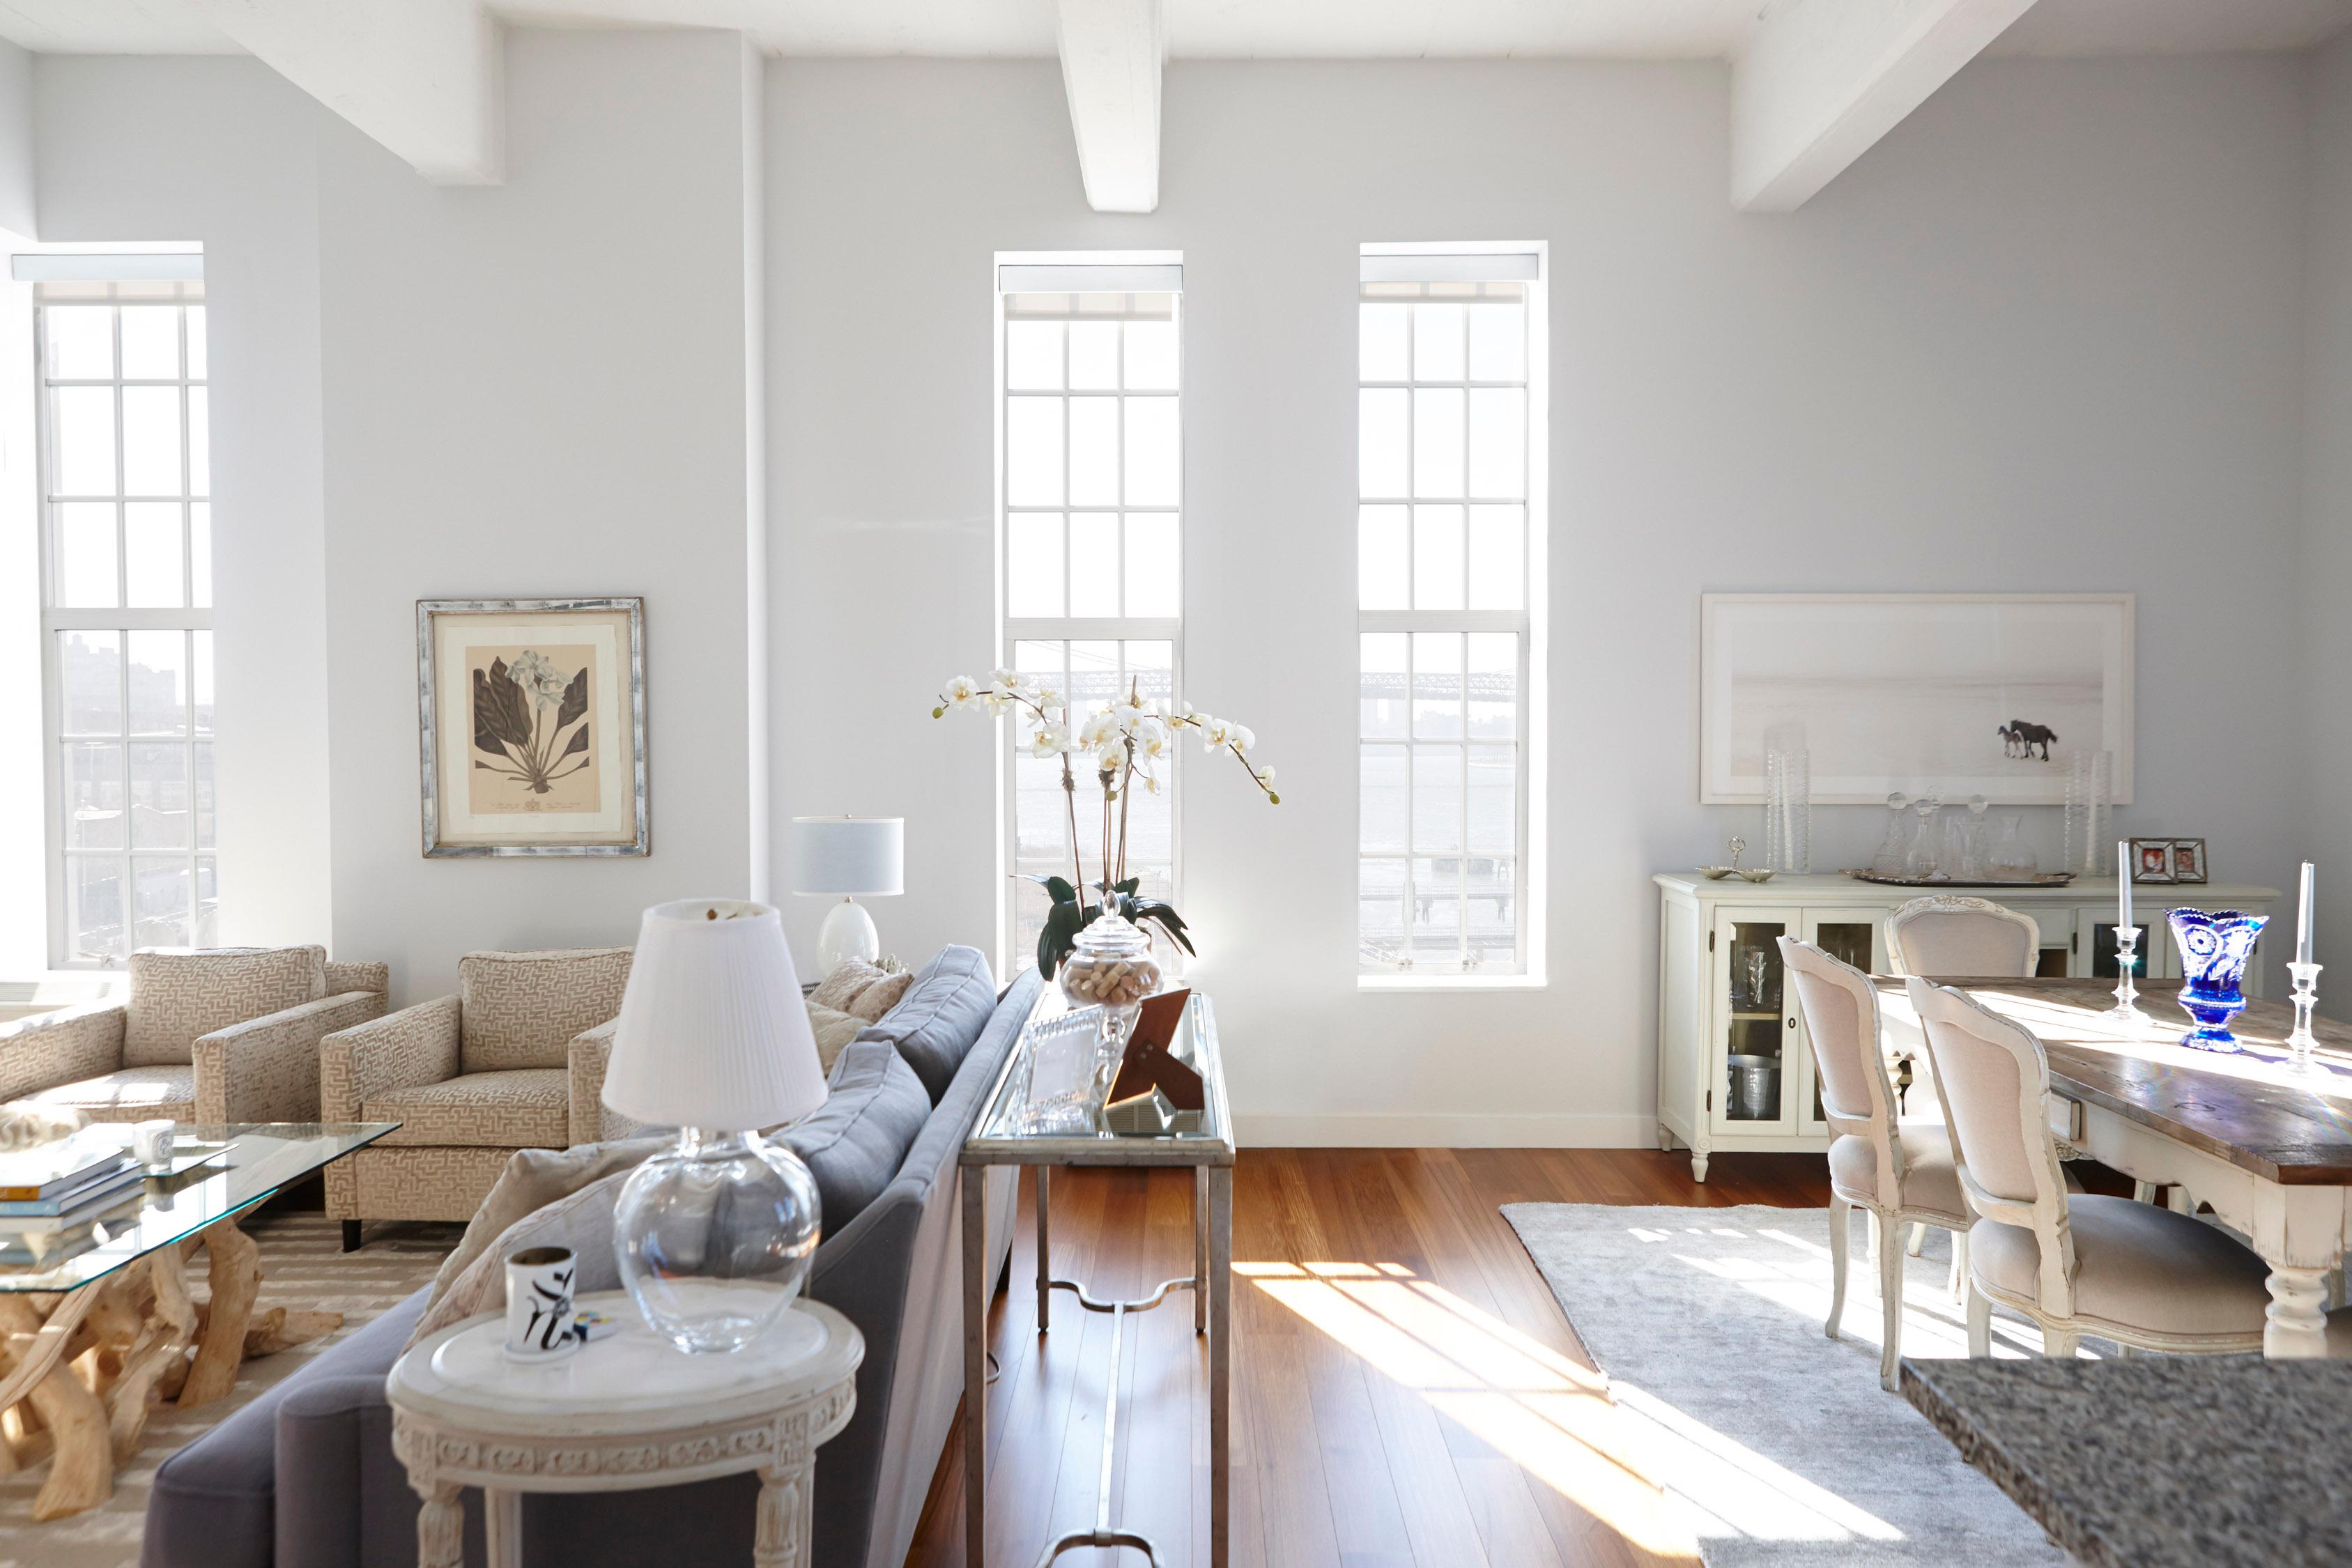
(1405, 1391)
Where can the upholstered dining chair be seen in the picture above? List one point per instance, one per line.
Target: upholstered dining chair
(2072, 1263)
(470, 1079)
(1948, 935)
(1899, 1173)
(205, 1034)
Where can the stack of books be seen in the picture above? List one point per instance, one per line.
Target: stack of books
(64, 1197)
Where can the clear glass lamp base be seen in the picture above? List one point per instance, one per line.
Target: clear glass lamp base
(714, 1237)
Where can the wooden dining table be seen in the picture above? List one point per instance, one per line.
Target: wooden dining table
(2269, 1149)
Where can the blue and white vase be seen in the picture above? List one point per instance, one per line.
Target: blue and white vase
(2215, 946)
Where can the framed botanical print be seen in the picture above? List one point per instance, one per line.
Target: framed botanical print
(533, 724)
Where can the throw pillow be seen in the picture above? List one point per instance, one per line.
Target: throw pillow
(881, 996)
(834, 1032)
(849, 977)
(944, 1012)
(581, 1221)
(177, 997)
(855, 1141)
(533, 1179)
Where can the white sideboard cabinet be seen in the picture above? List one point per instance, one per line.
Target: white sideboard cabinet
(1735, 1072)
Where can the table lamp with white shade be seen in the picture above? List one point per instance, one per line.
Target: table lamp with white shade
(848, 856)
(714, 1237)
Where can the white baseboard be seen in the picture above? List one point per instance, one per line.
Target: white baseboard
(1416, 1131)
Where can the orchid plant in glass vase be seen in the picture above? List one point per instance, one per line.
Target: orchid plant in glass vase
(1094, 934)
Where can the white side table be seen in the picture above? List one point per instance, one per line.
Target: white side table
(628, 1410)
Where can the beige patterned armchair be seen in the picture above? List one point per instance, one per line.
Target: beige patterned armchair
(470, 1079)
(225, 1033)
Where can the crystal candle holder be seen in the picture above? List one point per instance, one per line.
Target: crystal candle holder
(2303, 1042)
(2126, 960)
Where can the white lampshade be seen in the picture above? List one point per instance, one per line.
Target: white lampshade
(713, 1032)
(849, 855)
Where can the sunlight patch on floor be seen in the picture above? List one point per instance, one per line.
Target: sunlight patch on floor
(1611, 1449)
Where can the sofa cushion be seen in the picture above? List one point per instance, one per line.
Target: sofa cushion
(135, 1094)
(942, 1013)
(480, 1110)
(856, 1140)
(214, 1502)
(851, 979)
(522, 1009)
(177, 997)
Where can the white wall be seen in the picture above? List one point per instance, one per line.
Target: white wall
(223, 152)
(539, 389)
(2043, 337)
(2325, 566)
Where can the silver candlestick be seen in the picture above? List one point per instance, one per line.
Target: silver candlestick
(2126, 944)
(2300, 1044)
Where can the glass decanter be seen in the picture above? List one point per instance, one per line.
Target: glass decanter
(1923, 863)
(2011, 859)
(1888, 861)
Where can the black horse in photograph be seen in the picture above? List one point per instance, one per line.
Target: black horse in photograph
(2020, 736)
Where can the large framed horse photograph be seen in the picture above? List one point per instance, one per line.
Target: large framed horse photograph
(532, 720)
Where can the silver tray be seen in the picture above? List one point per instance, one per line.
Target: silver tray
(2038, 880)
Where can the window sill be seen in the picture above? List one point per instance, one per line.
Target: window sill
(1450, 983)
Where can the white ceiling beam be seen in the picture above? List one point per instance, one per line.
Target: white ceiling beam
(1821, 80)
(422, 77)
(1111, 54)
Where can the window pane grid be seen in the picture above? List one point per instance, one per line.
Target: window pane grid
(1441, 572)
(127, 585)
(1092, 509)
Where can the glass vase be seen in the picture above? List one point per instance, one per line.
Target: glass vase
(1111, 966)
(1788, 811)
(2089, 810)
(2011, 859)
(2215, 947)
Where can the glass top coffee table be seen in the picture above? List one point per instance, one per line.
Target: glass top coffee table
(1203, 1141)
(132, 1261)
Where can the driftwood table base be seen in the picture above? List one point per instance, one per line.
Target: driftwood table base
(80, 1371)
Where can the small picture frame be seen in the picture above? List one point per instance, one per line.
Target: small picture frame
(2189, 859)
(2151, 860)
(532, 715)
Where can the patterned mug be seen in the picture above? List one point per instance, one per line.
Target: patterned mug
(539, 1303)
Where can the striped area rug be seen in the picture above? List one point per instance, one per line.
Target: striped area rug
(302, 1265)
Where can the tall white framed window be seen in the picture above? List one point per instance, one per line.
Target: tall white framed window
(126, 617)
(1090, 546)
(1449, 592)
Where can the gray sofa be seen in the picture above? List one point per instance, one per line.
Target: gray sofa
(304, 1476)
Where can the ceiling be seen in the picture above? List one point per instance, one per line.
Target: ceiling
(1624, 29)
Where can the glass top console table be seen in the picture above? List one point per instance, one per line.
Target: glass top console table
(124, 1275)
(1203, 1142)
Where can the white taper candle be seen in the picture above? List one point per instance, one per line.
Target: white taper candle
(2303, 919)
(2123, 881)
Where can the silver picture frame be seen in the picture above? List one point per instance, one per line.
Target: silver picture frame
(432, 724)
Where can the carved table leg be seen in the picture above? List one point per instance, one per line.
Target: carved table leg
(502, 1527)
(786, 1513)
(82, 1469)
(160, 1347)
(441, 1529)
(2295, 1324)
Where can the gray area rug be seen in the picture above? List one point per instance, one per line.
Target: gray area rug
(302, 1265)
(1775, 1442)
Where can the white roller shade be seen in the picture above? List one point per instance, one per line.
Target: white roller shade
(1503, 266)
(1082, 277)
(55, 266)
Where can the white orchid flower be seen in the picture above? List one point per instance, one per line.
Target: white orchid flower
(1098, 729)
(1266, 775)
(960, 691)
(1215, 733)
(1110, 759)
(1242, 737)
(1004, 679)
(1050, 740)
(1153, 740)
(1136, 699)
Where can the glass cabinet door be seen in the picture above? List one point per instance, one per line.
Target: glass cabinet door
(1852, 936)
(2095, 958)
(1754, 1086)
